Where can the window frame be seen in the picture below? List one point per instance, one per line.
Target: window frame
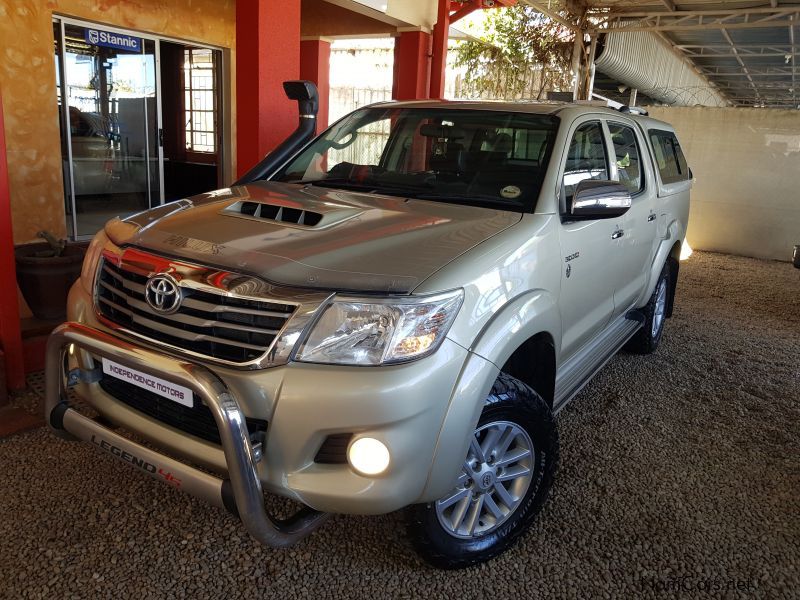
(576, 126)
(653, 135)
(193, 155)
(639, 146)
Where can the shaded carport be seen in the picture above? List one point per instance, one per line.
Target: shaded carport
(724, 75)
(746, 51)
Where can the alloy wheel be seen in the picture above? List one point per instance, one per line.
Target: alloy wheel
(496, 475)
(660, 308)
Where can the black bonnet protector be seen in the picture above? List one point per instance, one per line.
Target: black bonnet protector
(361, 242)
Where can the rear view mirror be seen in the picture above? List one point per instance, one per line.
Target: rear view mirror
(599, 199)
(433, 130)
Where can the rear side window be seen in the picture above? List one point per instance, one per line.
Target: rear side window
(626, 155)
(669, 157)
(586, 157)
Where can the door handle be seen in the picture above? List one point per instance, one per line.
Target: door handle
(651, 217)
(617, 234)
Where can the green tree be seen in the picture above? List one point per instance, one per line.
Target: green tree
(522, 55)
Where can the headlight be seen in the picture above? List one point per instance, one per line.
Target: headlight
(90, 260)
(380, 332)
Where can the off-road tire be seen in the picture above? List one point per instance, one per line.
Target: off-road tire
(512, 401)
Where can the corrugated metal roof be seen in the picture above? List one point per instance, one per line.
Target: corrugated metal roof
(747, 52)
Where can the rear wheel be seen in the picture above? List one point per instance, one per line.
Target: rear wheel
(646, 340)
(504, 481)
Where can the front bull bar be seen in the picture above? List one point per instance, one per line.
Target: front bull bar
(241, 493)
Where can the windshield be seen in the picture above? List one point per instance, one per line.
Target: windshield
(472, 157)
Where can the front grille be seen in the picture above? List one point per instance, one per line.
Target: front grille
(219, 326)
(197, 421)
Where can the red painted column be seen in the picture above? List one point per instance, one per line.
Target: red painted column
(10, 335)
(315, 65)
(267, 54)
(412, 65)
(439, 59)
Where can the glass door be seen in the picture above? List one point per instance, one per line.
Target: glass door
(110, 128)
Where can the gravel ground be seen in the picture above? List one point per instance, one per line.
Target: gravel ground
(680, 475)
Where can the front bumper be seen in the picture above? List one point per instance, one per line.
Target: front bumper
(241, 492)
(407, 406)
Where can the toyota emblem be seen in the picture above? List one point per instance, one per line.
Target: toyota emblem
(163, 294)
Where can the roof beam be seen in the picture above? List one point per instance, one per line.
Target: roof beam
(697, 20)
(774, 47)
(717, 25)
(725, 12)
(728, 39)
(730, 54)
(574, 27)
(752, 71)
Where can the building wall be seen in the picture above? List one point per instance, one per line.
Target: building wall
(746, 162)
(28, 86)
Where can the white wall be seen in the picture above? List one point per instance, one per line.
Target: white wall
(746, 161)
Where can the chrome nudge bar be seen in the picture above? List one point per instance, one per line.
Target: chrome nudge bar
(241, 493)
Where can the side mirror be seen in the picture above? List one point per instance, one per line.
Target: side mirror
(596, 199)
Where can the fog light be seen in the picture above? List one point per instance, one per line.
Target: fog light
(368, 456)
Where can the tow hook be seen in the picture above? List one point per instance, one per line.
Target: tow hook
(76, 376)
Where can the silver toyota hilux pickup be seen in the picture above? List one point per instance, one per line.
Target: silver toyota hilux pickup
(387, 315)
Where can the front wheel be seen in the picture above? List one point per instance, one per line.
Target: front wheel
(504, 481)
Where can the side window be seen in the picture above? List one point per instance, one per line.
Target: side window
(670, 160)
(626, 155)
(586, 157)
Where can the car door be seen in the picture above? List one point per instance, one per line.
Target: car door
(633, 241)
(586, 301)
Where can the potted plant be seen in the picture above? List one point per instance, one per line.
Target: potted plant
(45, 272)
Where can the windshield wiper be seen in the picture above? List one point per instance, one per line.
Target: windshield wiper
(373, 188)
(465, 199)
(335, 182)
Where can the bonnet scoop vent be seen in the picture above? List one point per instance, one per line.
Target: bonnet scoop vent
(273, 212)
